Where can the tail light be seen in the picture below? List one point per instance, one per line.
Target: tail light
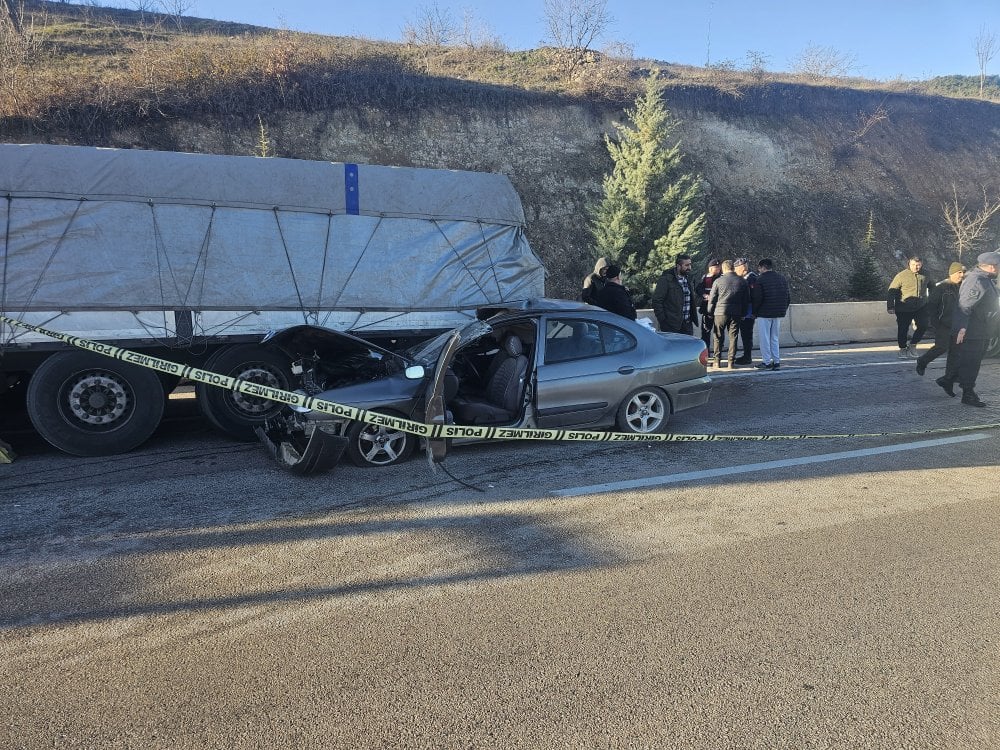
(703, 357)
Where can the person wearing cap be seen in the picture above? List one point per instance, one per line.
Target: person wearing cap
(907, 299)
(972, 324)
(727, 304)
(702, 290)
(614, 297)
(742, 268)
(941, 307)
(673, 299)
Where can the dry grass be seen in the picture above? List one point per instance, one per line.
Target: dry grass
(85, 69)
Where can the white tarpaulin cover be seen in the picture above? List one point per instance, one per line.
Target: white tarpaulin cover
(106, 229)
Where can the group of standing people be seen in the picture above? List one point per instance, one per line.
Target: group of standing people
(730, 298)
(961, 309)
(725, 304)
(604, 288)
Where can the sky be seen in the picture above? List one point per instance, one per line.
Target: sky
(887, 39)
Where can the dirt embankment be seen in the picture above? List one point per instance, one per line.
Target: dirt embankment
(790, 171)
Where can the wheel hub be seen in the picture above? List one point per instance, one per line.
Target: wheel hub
(98, 398)
(262, 376)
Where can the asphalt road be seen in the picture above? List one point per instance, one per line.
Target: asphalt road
(832, 593)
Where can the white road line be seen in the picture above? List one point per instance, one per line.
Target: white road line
(800, 368)
(690, 476)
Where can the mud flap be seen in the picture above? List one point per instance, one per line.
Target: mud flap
(322, 451)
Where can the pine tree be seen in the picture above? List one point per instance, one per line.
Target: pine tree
(650, 212)
(866, 283)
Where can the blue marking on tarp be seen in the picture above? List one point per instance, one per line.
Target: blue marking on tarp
(353, 199)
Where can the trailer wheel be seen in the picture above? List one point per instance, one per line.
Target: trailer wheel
(993, 347)
(238, 414)
(89, 405)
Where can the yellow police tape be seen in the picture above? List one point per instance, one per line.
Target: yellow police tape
(418, 428)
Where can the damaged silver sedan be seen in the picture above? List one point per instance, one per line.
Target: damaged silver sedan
(538, 363)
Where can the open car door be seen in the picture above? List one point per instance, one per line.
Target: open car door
(436, 411)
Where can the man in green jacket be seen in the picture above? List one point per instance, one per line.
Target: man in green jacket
(907, 298)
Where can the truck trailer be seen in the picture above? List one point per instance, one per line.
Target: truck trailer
(196, 257)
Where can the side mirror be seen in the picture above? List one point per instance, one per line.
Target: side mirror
(414, 372)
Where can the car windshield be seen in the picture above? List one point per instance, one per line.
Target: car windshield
(428, 351)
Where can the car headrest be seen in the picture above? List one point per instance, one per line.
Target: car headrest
(513, 346)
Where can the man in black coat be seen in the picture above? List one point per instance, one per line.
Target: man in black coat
(727, 304)
(741, 266)
(770, 297)
(673, 299)
(941, 308)
(973, 323)
(614, 297)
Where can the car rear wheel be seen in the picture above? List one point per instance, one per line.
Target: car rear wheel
(377, 445)
(643, 411)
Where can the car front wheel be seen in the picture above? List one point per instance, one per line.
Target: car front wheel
(377, 445)
(644, 410)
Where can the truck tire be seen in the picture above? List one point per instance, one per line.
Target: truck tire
(237, 414)
(89, 405)
(993, 347)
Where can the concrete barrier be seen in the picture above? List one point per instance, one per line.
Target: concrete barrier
(837, 323)
(830, 323)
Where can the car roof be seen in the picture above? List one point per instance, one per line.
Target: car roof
(535, 305)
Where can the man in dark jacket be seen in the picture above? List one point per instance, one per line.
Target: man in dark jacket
(973, 323)
(701, 292)
(941, 306)
(770, 298)
(673, 299)
(727, 304)
(741, 266)
(614, 297)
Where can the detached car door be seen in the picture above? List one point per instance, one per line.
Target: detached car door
(587, 368)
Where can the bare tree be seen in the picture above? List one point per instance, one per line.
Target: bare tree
(21, 48)
(177, 9)
(967, 227)
(986, 50)
(868, 120)
(13, 14)
(433, 26)
(757, 63)
(576, 24)
(817, 61)
(477, 34)
(145, 6)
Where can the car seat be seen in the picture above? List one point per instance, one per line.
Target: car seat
(500, 401)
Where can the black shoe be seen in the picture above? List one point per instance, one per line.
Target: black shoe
(775, 365)
(763, 366)
(969, 398)
(949, 386)
(744, 361)
(921, 367)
